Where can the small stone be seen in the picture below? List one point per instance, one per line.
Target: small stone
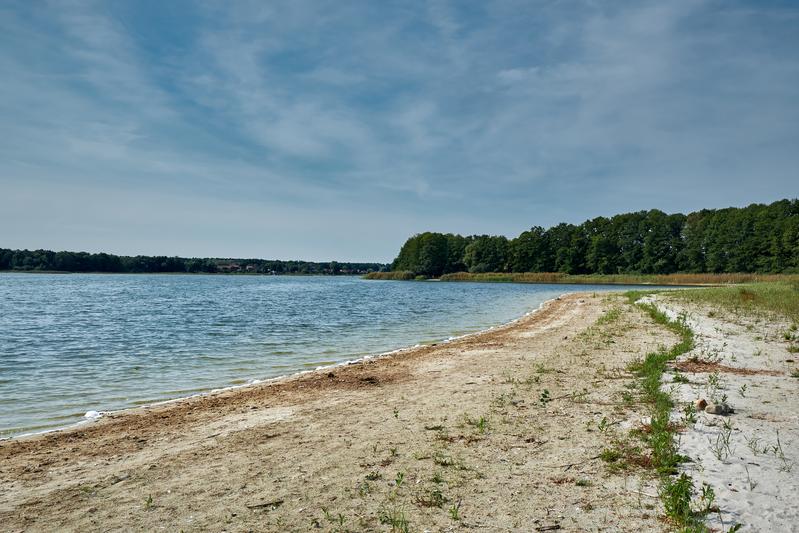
(700, 404)
(117, 479)
(718, 409)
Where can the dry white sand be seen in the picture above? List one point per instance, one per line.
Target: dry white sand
(750, 458)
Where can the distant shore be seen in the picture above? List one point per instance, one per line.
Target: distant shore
(85, 262)
(252, 274)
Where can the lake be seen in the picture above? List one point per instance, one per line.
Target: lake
(73, 343)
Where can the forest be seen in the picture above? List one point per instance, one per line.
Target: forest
(758, 238)
(49, 261)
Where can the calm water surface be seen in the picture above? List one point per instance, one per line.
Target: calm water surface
(81, 342)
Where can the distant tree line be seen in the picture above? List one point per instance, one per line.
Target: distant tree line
(46, 260)
(758, 238)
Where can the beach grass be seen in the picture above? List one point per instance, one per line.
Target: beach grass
(677, 492)
(664, 454)
(780, 298)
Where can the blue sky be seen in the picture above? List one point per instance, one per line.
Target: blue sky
(334, 130)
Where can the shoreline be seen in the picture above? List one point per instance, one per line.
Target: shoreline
(88, 420)
(274, 456)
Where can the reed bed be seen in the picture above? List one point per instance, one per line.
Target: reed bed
(630, 279)
(400, 275)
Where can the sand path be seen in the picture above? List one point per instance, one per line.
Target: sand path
(496, 432)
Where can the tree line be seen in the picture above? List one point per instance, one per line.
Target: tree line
(758, 238)
(47, 260)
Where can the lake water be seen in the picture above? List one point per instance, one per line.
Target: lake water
(75, 343)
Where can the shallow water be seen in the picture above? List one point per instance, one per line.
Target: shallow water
(81, 342)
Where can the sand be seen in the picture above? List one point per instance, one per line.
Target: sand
(745, 358)
(499, 431)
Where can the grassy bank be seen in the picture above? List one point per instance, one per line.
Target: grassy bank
(621, 279)
(781, 298)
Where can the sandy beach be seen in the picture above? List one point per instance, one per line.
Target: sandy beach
(499, 431)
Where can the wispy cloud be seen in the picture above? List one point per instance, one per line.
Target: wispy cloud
(451, 116)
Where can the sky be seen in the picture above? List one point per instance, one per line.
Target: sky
(335, 130)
